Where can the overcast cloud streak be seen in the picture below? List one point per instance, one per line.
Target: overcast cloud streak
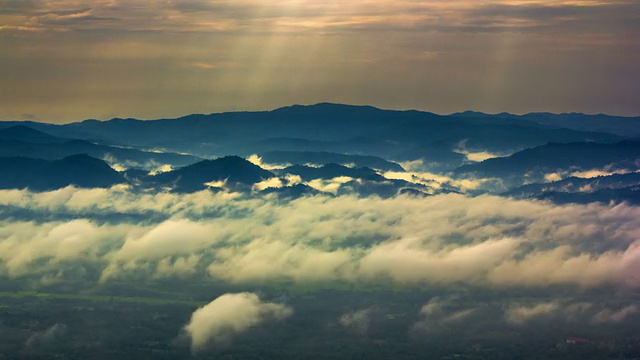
(70, 60)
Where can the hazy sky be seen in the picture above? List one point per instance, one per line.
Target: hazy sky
(69, 60)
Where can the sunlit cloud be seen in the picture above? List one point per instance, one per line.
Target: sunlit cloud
(257, 160)
(595, 173)
(438, 180)
(216, 323)
(161, 169)
(329, 185)
(586, 174)
(400, 241)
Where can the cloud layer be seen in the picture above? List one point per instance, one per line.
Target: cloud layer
(105, 234)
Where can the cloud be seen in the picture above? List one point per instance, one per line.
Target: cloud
(277, 182)
(587, 174)
(613, 316)
(480, 156)
(329, 185)
(600, 172)
(406, 260)
(564, 309)
(263, 260)
(153, 166)
(229, 315)
(216, 184)
(46, 338)
(568, 310)
(110, 234)
(475, 156)
(434, 306)
(257, 160)
(552, 177)
(519, 315)
(358, 321)
(439, 181)
(439, 313)
(458, 316)
(160, 169)
(26, 246)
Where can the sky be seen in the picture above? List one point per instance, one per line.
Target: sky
(69, 60)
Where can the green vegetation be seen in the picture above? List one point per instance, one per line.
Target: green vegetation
(125, 325)
(101, 298)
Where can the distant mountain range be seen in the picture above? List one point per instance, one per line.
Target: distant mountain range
(623, 126)
(359, 130)
(576, 185)
(24, 141)
(323, 157)
(532, 165)
(333, 149)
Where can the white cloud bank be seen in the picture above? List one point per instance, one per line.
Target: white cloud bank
(485, 240)
(228, 315)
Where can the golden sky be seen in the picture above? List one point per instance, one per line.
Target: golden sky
(70, 60)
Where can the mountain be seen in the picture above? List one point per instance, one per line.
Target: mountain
(543, 146)
(295, 191)
(27, 142)
(437, 156)
(578, 185)
(323, 157)
(39, 174)
(358, 130)
(386, 189)
(357, 181)
(277, 144)
(630, 194)
(533, 164)
(611, 188)
(618, 125)
(26, 134)
(235, 170)
(478, 136)
(330, 171)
